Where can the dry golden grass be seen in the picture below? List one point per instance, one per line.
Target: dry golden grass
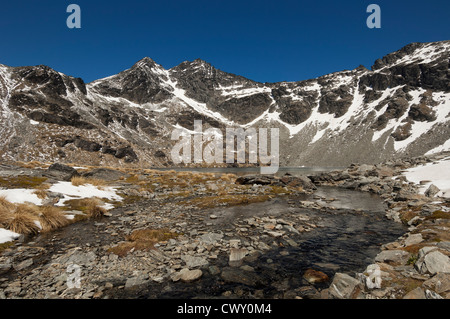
(142, 239)
(79, 180)
(32, 164)
(22, 181)
(52, 218)
(90, 206)
(25, 218)
(224, 200)
(41, 190)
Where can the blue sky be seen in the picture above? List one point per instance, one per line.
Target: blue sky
(266, 41)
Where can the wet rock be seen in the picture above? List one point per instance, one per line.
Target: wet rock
(255, 179)
(315, 276)
(239, 276)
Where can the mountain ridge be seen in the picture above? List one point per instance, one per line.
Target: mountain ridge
(397, 108)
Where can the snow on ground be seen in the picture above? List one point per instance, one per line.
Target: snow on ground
(7, 235)
(83, 191)
(442, 148)
(20, 196)
(437, 173)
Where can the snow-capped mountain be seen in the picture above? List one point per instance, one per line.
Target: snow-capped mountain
(398, 108)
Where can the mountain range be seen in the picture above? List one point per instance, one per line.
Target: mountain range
(398, 108)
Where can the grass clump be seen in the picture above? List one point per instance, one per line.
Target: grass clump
(142, 239)
(22, 181)
(52, 218)
(79, 180)
(225, 200)
(91, 207)
(30, 219)
(439, 214)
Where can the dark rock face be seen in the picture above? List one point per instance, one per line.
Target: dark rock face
(128, 153)
(244, 109)
(336, 102)
(140, 84)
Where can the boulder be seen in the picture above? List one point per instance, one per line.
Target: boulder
(432, 191)
(439, 283)
(314, 276)
(236, 256)
(136, 281)
(432, 261)
(298, 181)
(193, 262)
(396, 257)
(61, 172)
(344, 286)
(105, 174)
(187, 275)
(417, 293)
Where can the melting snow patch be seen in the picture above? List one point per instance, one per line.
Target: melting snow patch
(437, 173)
(20, 196)
(7, 235)
(83, 191)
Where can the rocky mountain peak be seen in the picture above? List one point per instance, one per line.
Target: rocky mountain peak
(421, 53)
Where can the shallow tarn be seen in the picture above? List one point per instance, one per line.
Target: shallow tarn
(347, 239)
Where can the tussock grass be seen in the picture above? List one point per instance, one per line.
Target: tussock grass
(41, 190)
(22, 181)
(142, 239)
(52, 218)
(79, 180)
(225, 200)
(26, 218)
(23, 220)
(90, 206)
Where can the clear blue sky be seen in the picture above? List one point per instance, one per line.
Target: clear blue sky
(266, 41)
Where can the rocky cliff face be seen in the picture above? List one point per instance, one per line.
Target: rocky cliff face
(398, 108)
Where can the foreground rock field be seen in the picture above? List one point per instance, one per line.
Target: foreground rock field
(176, 234)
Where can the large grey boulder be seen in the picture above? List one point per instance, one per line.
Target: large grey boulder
(61, 172)
(432, 261)
(397, 257)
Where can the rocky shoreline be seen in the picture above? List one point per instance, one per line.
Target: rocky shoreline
(212, 245)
